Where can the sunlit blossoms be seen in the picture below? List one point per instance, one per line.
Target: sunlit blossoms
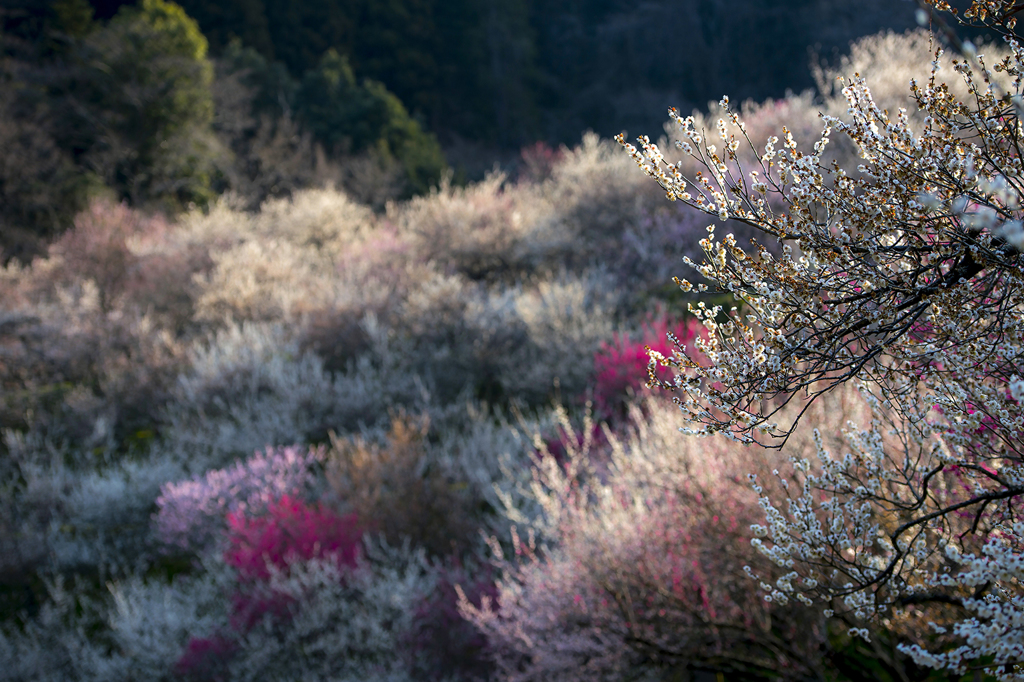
(904, 277)
(636, 560)
(193, 512)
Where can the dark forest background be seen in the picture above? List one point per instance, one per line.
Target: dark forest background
(166, 109)
(505, 73)
(509, 72)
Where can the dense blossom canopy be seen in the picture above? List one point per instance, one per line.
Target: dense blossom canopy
(902, 275)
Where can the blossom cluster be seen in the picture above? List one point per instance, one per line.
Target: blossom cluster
(192, 513)
(634, 564)
(903, 276)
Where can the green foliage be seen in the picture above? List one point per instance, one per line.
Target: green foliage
(508, 73)
(88, 109)
(351, 118)
(463, 66)
(41, 189)
(272, 89)
(73, 17)
(174, 31)
(149, 90)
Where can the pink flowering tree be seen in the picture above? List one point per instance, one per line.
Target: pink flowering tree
(635, 564)
(289, 532)
(620, 364)
(99, 246)
(193, 515)
(263, 547)
(901, 276)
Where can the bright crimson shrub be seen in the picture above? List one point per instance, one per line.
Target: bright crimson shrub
(290, 531)
(620, 366)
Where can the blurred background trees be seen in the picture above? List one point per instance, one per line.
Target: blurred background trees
(509, 73)
(123, 108)
(408, 348)
(137, 106)
(166, 106)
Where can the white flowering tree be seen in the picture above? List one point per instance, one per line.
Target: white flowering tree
(903, 276)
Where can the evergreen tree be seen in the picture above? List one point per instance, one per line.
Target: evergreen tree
(352, 119)
(146, 80)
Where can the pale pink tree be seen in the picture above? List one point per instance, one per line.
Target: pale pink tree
(635, 563)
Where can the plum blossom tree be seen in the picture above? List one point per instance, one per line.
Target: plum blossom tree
(904, 277)
(633, 567)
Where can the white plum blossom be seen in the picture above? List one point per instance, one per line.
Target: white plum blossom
(905, 278)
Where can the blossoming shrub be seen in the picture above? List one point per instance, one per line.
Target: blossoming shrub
(192, 514)
(375, 277)
(595, 202)
(620, 365)
(566, 316)
(487, 230)
(901, 275)
(289, 531)
(637, 566)
(251, 385)
(572, 220)
(137, 261)
(98, 247)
